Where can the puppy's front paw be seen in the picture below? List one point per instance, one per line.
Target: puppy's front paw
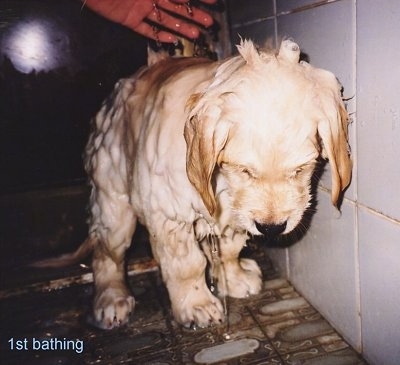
(242, 278)
(199, 308)
(112, 308)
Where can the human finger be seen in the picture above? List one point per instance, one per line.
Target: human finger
(176, 25)
(187, 11)
(127, 12)
(203, 1)
(154, 33)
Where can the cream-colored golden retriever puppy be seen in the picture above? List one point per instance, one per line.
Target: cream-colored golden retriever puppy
(192, 148)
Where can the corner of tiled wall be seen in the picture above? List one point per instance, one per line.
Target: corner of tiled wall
(252, 19)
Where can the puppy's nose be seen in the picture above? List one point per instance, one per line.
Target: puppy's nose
(271, 229)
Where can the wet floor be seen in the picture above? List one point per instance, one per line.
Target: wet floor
(278, 326)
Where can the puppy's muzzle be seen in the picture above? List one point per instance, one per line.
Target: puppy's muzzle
(271, 229)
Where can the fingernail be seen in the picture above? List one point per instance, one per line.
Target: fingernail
(170, 39)
(207, 21)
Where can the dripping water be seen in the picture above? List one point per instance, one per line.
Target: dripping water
(218, 277)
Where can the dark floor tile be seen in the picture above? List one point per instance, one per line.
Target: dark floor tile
(275, 327)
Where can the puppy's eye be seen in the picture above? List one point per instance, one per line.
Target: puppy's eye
(247, 172)
(295, 172)
(224, 165)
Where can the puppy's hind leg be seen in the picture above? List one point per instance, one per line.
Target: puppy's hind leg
(109, 159)
(113, 302)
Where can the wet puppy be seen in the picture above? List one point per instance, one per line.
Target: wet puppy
(192, 149)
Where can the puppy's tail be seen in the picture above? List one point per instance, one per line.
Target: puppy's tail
(70, 258)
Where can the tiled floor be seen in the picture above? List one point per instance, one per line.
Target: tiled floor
(277, 326)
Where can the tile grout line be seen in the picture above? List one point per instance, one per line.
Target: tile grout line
(364, 206)
(265, 334)
(357, 265)
(283, 13)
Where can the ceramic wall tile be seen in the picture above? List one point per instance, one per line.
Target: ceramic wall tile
(323, 267)
(378, 105)
(283, 6)
(242, 11)
(380, 287)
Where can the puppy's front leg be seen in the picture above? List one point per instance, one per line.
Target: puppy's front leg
(183, 269)
(243, 276)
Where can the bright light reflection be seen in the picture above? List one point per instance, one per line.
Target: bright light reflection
(29, 47)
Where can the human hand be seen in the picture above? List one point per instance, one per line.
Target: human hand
(143, 16)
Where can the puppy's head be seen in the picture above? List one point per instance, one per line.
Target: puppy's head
(256, 132)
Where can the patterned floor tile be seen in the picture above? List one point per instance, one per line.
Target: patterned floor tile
(277, 327)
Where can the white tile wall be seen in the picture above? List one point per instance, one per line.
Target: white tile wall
(349, 268)
(287, 5)
(379, 241)
(323, 267)
(378, 98)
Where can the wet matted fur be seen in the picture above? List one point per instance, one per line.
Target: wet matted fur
(192, 148)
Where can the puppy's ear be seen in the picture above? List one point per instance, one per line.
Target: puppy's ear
(333, 132)
(205, 136)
